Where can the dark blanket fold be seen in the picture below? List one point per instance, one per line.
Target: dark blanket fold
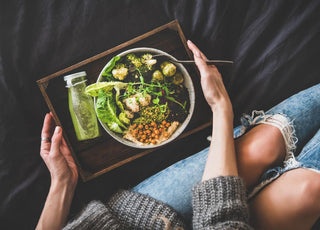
(275, 46)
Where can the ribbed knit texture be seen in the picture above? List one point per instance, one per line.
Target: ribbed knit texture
(220, 203)
(95, 216)
(137, 211)
(127, 210)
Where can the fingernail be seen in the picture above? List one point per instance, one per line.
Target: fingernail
(57, 129)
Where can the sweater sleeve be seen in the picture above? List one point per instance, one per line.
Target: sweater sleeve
(127, 210)
(95, 216)
(220, 203)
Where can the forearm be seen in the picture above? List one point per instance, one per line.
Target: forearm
(57, 206)
(221, 158)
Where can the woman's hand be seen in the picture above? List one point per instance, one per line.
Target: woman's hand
(211, 81)
(64, 176)
(221, 159)
(56, 154)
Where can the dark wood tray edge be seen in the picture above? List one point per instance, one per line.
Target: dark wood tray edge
(42, 84)
(141, 154)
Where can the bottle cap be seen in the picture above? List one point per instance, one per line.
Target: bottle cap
(68, 78)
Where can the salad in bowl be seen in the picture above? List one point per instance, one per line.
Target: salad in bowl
(142, 99)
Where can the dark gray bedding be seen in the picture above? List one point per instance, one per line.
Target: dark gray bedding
(275, 46)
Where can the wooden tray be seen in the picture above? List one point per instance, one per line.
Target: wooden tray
(98, 156)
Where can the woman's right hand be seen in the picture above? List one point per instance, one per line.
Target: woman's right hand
(211, 81)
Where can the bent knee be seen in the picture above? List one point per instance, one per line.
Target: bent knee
(263, 146)
(254, 153)
(309, 192)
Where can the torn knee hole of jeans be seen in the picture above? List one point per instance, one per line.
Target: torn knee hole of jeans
(279, 121)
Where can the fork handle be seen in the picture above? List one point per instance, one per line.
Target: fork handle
(216, 62)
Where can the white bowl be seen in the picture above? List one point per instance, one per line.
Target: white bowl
(187, 83)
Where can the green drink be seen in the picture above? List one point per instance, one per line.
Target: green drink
(81, 107)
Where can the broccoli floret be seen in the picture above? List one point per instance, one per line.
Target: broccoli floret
(177, 79)
(134, 60)
(148, 61)
(157, 76)
(168, 69)
(120, 71)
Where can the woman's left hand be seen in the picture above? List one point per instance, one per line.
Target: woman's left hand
(56, 154)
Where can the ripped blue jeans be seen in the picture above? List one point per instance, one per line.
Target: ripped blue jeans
(298, 119)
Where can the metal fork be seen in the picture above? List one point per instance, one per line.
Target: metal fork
(215, 62)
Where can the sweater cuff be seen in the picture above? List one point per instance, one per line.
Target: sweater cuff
(95, 216)
(218, 200)
(138, 211)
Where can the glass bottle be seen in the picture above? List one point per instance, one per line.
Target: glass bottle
(81, 107)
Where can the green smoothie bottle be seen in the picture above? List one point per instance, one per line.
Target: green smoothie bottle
(81, 107)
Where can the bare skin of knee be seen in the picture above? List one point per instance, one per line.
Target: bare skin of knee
(290, 202)
(261, 148)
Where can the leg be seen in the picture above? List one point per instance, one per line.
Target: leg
(173, 185)
(290, 202)
(264, 147)
(293, 200)
(303, 110)
(258, 150)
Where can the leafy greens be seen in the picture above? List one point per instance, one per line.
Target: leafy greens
(107, 72)
(107, 111)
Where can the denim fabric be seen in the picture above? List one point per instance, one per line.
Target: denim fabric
(303, 111)
(173, 185)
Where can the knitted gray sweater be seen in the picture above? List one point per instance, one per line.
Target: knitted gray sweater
(219, 203)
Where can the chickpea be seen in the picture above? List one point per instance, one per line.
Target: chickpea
(156, 131)
(140, 126)
(146, 126)
(168, 124)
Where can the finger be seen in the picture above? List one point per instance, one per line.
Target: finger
(48, 125)
(64, 148)
(46, 132)
(56, 140)
(195, 50)
(198, 58)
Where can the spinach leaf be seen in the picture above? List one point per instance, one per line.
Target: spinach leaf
(107, 111)
(107, 72)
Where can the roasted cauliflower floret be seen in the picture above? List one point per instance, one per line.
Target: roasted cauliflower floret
(144, 100)
(148, 61)
(132, 104)
(120, 72)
